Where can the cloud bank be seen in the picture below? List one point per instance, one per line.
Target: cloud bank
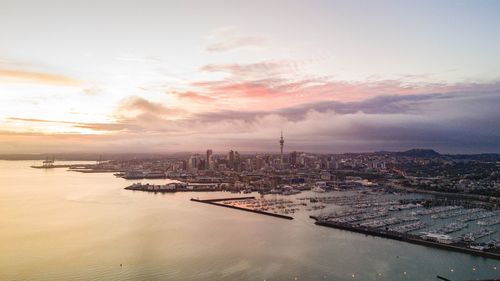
(455, 121)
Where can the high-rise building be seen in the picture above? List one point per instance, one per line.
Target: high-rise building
(195, 162)
(293, 158)
(237, 161)
(259, 162)
(209, 162)
(231, 159)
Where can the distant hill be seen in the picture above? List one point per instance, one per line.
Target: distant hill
(430, 153)
(484, 157)
(417, 152)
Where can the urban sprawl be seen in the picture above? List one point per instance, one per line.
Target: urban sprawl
(418, 196)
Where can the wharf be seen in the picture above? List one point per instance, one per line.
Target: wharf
(90, 171)
(407, 238)
(82, 168)
(215, 202)
(229, 199)
(144, 189)
(54, 166)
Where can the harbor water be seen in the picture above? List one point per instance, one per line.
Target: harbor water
(62, 225)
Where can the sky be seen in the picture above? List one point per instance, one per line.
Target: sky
(169, 76)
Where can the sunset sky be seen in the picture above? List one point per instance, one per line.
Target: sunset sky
(166, 76)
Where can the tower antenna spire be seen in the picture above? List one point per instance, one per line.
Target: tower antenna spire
(282, 143)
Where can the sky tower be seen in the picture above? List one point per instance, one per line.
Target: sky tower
(282, 142)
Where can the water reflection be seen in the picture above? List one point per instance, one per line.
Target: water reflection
(59, 225)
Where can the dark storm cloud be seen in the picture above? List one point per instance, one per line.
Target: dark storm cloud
(466, 121)
(452, 122)
(377, 105)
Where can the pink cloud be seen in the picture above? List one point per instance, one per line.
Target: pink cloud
(142, 106)
(278, 84)
(195, 97)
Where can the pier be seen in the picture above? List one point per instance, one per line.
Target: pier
(407, 238)
(216, 203)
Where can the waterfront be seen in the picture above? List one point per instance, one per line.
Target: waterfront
(59, 225)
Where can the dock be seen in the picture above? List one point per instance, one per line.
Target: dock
(216, 203)
(406, 238)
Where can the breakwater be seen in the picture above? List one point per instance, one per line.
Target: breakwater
(215, 202)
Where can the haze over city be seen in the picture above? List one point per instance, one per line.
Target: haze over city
(167, 76)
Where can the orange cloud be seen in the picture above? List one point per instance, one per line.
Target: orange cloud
(39, 120)
(38, 77)
(91, 126)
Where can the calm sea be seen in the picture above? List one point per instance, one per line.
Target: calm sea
(60, 225)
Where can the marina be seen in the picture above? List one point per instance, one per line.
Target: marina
(228, 203)
(408, 238)
(402, 217)
(451, 227)
(490, 222)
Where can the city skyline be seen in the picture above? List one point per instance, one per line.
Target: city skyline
(250, 140)
(161, 77)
